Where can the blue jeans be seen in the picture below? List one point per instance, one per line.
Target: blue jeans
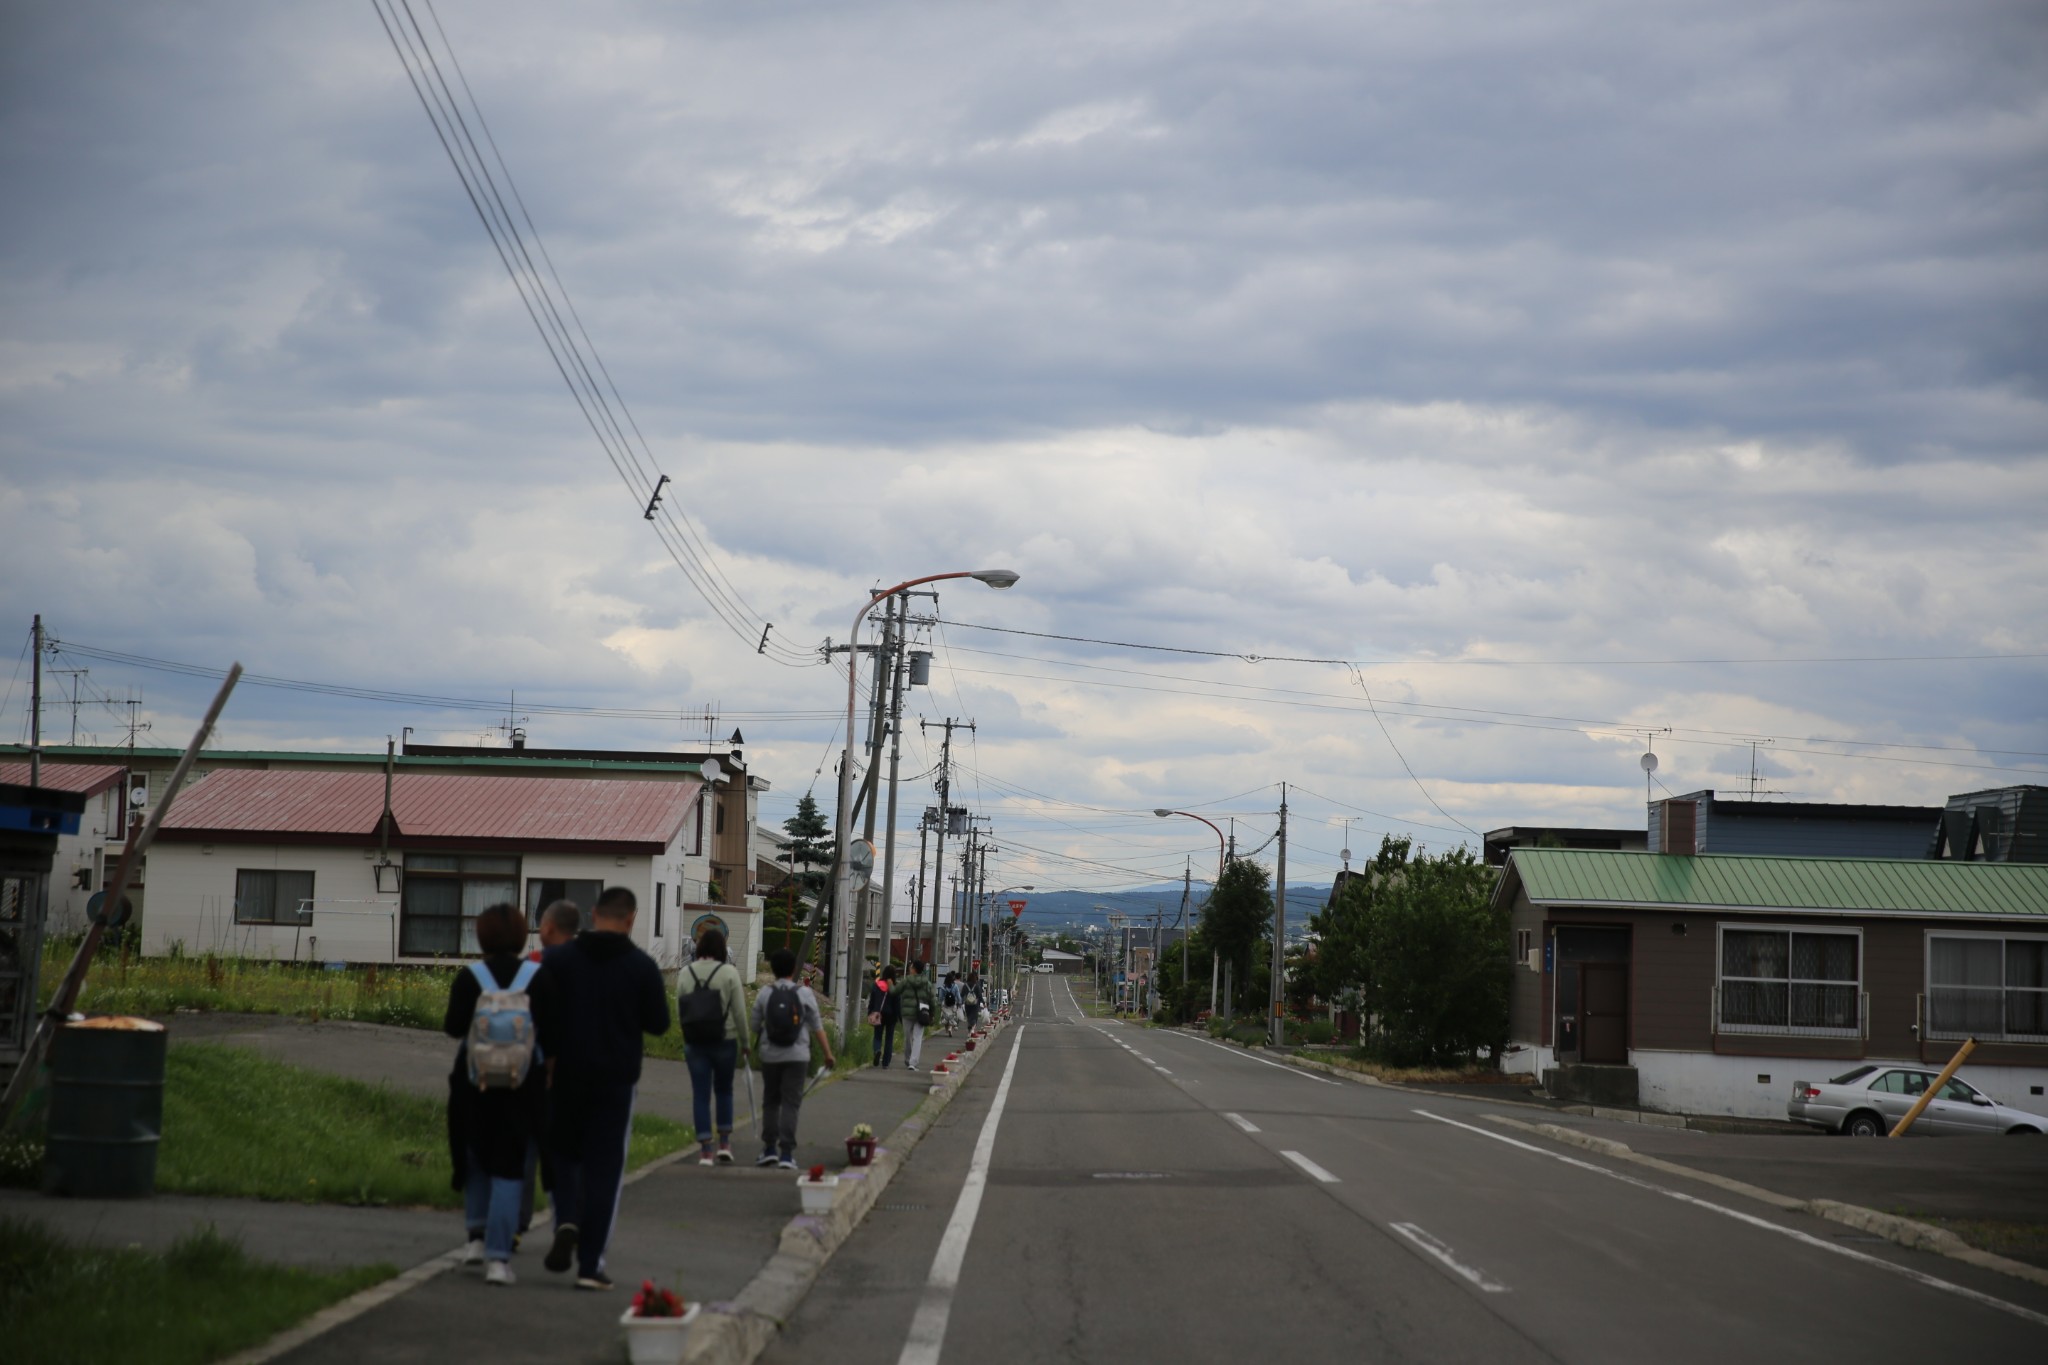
(491, 1203)
(711, 1067)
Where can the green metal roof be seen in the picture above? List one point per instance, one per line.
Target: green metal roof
(1715, 881)
(486, 758)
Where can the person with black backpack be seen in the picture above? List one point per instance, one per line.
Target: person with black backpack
(711, 1006)
(786, 1018)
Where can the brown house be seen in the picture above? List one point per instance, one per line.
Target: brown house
(1708, 983)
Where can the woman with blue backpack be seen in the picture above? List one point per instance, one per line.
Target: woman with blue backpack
(711, 1005)
(506, 1010)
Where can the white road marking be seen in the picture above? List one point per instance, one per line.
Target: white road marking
(1241, 1121)
(1442, 1253)
(1290, 1070)
(1318, 1172)
(1917, 1276)
(928, 1327)
(1160, 1069)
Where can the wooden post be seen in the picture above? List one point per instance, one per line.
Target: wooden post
(1947, 1074)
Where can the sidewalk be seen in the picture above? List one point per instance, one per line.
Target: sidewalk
(703, 1231)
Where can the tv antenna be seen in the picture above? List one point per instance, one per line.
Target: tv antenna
(1756, 773)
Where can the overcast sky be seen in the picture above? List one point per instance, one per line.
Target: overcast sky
(1523, 356)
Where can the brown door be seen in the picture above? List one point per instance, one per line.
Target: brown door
(1603, 1012)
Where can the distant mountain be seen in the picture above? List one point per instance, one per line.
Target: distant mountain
(1051, 911)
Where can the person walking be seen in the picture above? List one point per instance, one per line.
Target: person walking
(507, 1011)
(612, 994)
(711, 1005)
(786, 1018)
(558, 924)
(949, 1002)
(970, 998)
(920, 1005)
(884, 1009)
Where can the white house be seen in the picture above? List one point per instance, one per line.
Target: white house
(315, 866)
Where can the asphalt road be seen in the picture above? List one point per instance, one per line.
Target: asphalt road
(1106, 1192)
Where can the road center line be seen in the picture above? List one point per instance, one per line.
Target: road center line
(1917, 1276)
(1241, 1121)
(1435, 1247)
(1318, 1172)
(928, 1327)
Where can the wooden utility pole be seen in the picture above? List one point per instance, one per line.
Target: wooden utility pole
(1276, 997)
(35, 707)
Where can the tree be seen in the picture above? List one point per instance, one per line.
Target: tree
(1237, 919)
(1342, 971)
(810, 844)
(1435, 952)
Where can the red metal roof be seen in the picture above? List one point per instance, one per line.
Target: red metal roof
(278, 803)
(89, 778)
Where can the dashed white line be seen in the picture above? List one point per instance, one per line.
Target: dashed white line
(1241, 1121)
(1442, 1252)
(1318, 1172)
(1290, 1070)
(1917, 1276)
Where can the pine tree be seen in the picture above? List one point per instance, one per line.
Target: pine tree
(810, 844)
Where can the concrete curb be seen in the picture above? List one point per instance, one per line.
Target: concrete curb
(736, 1332)
(1906, 1232)
(728, 1333)
(349, 1309)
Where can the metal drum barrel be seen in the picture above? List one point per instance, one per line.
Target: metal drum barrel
(106, 1109)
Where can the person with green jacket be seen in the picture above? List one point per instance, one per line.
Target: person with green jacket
(920, 1005)
(711, 1004)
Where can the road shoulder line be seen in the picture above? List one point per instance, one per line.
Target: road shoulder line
(1906, 1232)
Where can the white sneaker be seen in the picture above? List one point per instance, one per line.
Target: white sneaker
(500, 1272)
(473, 1254)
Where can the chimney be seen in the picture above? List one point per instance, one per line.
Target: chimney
(1678, 834)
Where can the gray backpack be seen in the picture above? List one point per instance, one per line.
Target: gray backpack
(502, 1041)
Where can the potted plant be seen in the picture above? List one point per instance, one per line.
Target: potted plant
(816, 1190)
(657, 1324)
(860, 1148)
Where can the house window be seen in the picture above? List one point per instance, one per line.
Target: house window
(444, 893)
(267, 897)
(541, 892)
(660, 893)
(1987, 986)
(1790, 981)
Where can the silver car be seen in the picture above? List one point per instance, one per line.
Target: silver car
(1869, 1102)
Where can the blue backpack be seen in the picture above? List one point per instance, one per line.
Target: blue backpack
(502, 1043)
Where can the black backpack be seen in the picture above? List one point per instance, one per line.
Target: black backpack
(892, 1004)
(924, 1010)
(782, 1018)
(701, 1011)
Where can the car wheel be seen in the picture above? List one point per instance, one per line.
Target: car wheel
(1863, 1123)
(2021, 1130)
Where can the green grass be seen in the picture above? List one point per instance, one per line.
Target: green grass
(411, 997)
(204, 1298)
(240, 1124)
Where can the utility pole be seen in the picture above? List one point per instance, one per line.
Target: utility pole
(35, 708)
(1187, 929)
(1277, 1022)
(857, 916)
(895, 760)
(924, 834)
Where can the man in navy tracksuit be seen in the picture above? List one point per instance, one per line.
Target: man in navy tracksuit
(611, 993)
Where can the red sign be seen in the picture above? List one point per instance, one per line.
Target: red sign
(1016, 909)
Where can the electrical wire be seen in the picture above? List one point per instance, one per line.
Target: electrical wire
(1254, 658)
(573, 361)
(1359, 678)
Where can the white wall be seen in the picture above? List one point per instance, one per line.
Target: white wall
(192, 892)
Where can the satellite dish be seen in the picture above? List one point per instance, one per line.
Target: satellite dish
(711, 771)
(138, 796)
(1649, 763)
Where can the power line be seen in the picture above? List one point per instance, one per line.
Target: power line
(444, 111)
(1251, 657)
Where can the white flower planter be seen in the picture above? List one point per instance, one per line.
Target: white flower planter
(657, 1341)
(817, 1195)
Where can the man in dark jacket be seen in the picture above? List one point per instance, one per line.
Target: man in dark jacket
(612, 993)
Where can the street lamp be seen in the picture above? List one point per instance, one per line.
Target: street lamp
(1187, 931)
(995, 578)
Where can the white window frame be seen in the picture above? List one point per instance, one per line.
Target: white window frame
(1788, 1029)
(1928, 985)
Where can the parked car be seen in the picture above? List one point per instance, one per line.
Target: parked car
(1870, 1100)
(1043, 967)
